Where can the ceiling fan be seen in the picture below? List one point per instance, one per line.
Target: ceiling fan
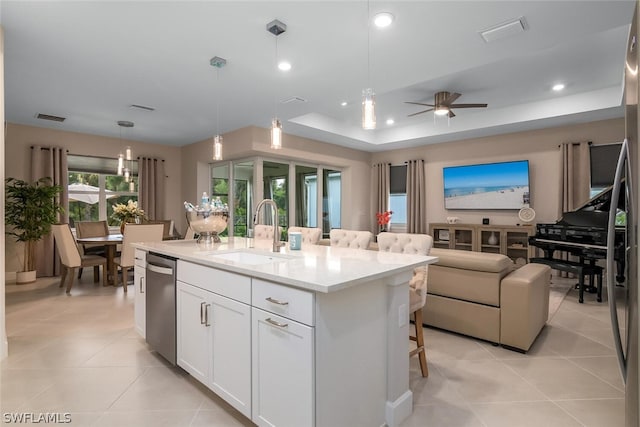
(443, 104)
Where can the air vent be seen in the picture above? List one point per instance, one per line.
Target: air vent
(50, 117)
(141, 107)
(293, 99)
(504, 30)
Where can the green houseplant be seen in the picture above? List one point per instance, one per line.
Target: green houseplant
(30, 209)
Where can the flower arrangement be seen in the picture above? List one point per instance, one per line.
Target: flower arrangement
(383, 219)
(127, 213)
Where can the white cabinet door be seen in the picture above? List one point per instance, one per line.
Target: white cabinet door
(283, 366)
(139, 277)
(193, 320)
(231, 371)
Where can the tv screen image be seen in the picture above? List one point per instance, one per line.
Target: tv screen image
(487, 186)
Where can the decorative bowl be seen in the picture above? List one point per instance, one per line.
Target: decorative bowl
(208, 224)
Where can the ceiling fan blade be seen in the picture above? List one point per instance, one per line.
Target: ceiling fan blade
(451, 114)
(468, 105)
(420, 112)
(419, 103)
(451, 98)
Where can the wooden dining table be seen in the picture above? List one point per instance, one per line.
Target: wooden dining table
(110, 242)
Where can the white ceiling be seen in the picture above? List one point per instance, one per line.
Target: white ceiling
(89, 61)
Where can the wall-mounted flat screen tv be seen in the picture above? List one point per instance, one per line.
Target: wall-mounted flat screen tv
(487, 186)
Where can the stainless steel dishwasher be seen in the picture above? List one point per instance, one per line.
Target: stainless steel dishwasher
(161, 305)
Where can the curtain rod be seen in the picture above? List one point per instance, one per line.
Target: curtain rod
(576, 143)
(46, 148)
(142, 157)
(417, 160)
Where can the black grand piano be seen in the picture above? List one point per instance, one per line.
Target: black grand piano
(583, 234)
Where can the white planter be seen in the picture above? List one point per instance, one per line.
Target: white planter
(25, 277)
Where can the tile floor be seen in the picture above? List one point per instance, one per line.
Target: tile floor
(80, 355)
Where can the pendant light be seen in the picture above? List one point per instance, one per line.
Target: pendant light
(125, 160)
(368, 95)
(276, 28)
(217, 62)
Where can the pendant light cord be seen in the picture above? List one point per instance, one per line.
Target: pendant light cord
(218, 101)
(275, 92)
(368, 44)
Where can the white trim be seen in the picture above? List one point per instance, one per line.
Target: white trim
(399, 410)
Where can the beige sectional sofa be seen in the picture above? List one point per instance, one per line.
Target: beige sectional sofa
(482, 295)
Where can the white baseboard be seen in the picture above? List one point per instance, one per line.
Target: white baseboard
(10, 276)
(398, 411)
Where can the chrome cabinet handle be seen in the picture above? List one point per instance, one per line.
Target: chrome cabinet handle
(206, 315)
(141, 281)
(202, 321)
(278, 324)
(275, 301)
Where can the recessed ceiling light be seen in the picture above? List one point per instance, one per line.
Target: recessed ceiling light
(390, 122)
(383, 19)
(284, 66)
(558, 87)
(344, 103)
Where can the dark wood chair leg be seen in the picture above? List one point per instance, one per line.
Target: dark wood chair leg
(63, 275)
(96, 273)
(125, 275)
(80, 273)
(420, 342)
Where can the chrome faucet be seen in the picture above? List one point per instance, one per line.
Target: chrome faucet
(274, 208)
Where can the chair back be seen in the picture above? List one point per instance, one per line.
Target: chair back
(134, 233)
(190, 234)
(66, 244)
(262, 231)
(350, 238)
(406, 243)
(167, 231)
(310, 236)
(91, 228)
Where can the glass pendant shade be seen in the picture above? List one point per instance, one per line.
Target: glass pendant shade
(132, 186)
(120, 164)
(276, 134)
(127, 154)
(126, 174)
(368, 109)
(217, 147)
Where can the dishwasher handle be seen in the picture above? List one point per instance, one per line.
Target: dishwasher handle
(159, 269)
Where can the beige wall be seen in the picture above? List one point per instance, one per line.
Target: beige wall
(20, 138)
(253, 141)
(4, 346)
(540, 147)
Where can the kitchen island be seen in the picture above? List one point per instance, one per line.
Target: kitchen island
(316, 337)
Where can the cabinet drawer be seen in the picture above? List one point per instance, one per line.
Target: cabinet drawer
(289, 302)
(141, 258)
(230, 285)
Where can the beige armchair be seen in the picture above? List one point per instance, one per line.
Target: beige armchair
(135, 233)
(350, 238)
(412, 244)
(310, 236)
(71, 258)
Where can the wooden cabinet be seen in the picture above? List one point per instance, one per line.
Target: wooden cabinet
(214, 334)
(446, 236)
(139, 302)
(509, 240)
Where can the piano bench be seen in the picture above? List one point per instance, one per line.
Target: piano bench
(580, 269)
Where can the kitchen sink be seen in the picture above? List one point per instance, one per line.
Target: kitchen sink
(250, 258)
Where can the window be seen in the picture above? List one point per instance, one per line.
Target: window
(603, 161)
(94, 189)
(398, 196)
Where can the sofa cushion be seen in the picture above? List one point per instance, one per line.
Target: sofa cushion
(468, 260)
(481, 287)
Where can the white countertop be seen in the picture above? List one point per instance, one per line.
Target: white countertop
(315, 267)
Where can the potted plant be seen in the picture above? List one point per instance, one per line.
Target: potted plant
(127, 213)
(30, 209)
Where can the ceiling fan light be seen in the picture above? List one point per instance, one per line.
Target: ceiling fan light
(383, 19)
(441, 111)
(368, 109)
(217, 147)
(276, 134)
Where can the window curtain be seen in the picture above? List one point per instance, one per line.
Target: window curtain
(382, 171)
(416, 195)
(301, 201)
(50, 162)
(574, 180)
(151, 187)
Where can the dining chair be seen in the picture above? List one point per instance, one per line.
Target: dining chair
(167, 231)
(419, 244)
(353, 239)
(190, 234)
(134, 233)
(265, 231)
(91, 229)
(71, 258)
(310, 236)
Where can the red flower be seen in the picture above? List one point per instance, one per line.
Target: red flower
(384, 217)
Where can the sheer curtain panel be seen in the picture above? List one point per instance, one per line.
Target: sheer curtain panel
(382, 172)
(50, 162)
